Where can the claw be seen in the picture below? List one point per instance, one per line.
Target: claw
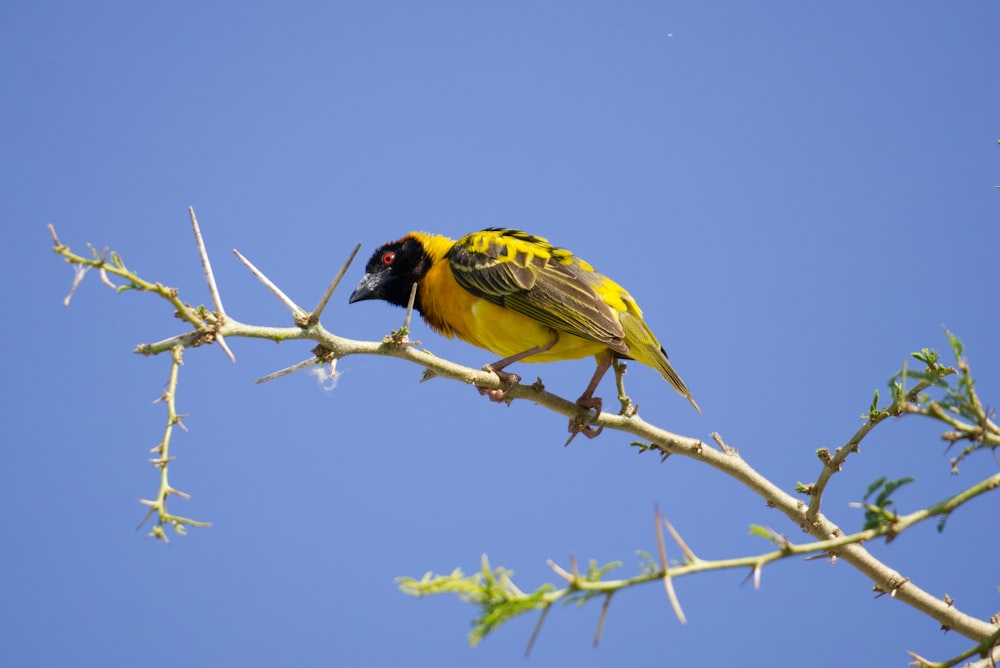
(508, 381)
(595, 403)
(582, 425)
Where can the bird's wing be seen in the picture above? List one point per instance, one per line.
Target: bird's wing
(527, 274)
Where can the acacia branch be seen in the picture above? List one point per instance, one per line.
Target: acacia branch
(659, 570)
(158, 505)
(830, 539)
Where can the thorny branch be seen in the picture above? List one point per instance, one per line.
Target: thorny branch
(493, 590)
(163, 458)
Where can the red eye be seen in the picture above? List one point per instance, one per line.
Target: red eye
(388, 258)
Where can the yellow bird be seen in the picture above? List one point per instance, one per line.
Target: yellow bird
(517, 296)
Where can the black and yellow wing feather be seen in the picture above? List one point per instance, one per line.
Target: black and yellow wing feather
(528, 275)
(505, 291)
(550, 285)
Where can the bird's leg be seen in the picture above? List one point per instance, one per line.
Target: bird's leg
(588, 400)
(509, 380)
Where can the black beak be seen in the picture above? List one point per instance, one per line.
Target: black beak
(370, 287)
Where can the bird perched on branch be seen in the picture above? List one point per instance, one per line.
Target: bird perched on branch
(517, 296)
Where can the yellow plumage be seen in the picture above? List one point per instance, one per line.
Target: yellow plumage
(510, 292)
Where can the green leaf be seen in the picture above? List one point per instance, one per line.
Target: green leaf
(956, 344)
(928, 356)
(127, 286)
(805, 488)
(648, 564)
(491, 589)
(878, 512)
(641, 446)
(765, 533)
(873, 486)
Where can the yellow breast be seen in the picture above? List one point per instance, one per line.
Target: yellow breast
(453, 311)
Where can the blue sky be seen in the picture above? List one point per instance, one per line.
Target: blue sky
(798, 196)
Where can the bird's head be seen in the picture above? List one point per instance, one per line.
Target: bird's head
(392, 270)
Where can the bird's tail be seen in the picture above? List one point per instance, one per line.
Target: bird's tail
(644, 347)
(675, 380)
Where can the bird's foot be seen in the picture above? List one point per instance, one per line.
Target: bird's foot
(581, 425)
(507, 381)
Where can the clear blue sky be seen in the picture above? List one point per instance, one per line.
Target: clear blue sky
(797, 196)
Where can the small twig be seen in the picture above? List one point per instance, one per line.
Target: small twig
(296, 310)
(628, 408)
(188, 339)
(163, 459)
(833, 464)
(985, 650)
(318, 311)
